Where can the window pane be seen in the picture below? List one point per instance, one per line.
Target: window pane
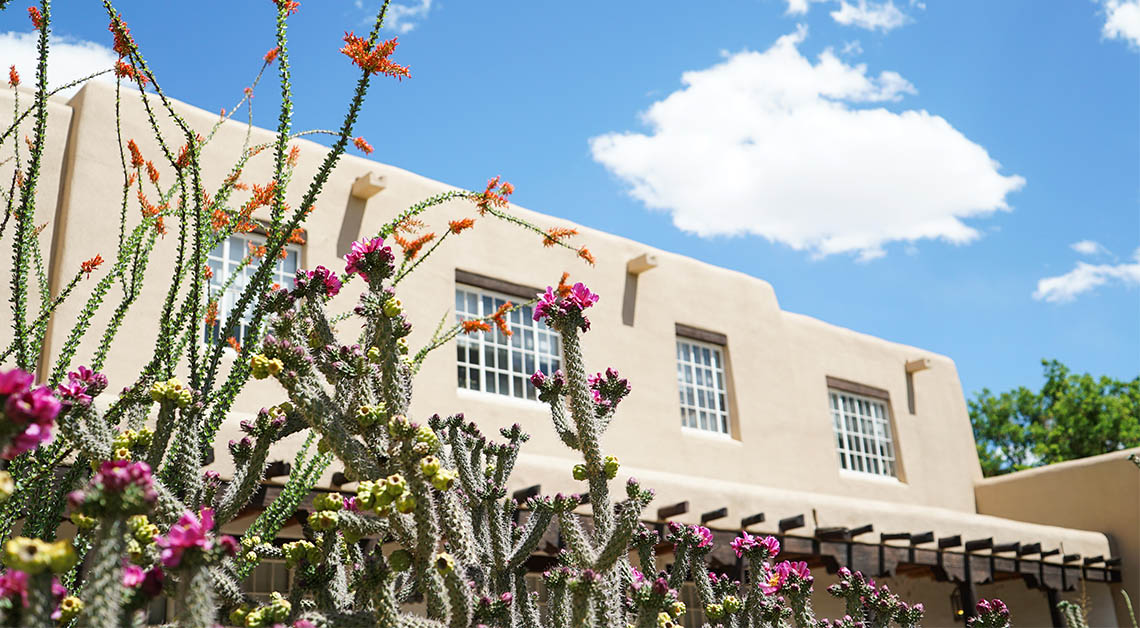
(507, 361)
(863, 434)
(701, 386)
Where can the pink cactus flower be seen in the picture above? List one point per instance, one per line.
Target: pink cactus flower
(189, 533)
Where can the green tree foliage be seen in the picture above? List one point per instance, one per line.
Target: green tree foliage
(1073, 416)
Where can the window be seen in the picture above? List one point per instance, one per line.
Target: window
(495, 363)
(863, 434)
(700, 377)
(267, 577)
(224, 260)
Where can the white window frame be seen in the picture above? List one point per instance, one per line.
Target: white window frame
(863, 435)
(533, 346)
(267, 577)
(702, 385)
(221, 262)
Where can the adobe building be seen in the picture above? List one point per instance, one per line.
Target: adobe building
(856, 450)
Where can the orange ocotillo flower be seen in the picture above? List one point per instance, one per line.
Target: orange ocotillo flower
(290, 6)
(363, 145)
(123, 41)
(128, 71)
(151, 171)
(413, 247)
(13, 77)
(494, 196)
(90, 265)
(212, 313)
(555, 234)
(470, 327)
(37, 17)
(271, 56)
(585, 254)
(499, 319)
(234, 344)
(374, 59)
(136, 155)
(563, 288)
(457, 226)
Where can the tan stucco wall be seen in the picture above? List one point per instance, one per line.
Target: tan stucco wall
(782, 430)
(1099, 493)
(52, 170)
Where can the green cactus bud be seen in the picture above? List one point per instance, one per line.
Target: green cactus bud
(374, 355)
(61, 556)
(677, 609)
(443, 479)
(444, 562)
(427, 436)
(714, 611)
(82, 521)
(69, 609)
(7, 485)
(400, 560)
(405, 503)
(328, 501)
(731, 604)
(396, 485)
(610, 466)
(237, 616)
(579, 472)
(430, 466)
(393, 307)
(323, 520)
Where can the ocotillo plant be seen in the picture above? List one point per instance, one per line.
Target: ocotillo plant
(429, 521)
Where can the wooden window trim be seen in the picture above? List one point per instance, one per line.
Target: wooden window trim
(508, 288)
(694, 333)
(856, 388)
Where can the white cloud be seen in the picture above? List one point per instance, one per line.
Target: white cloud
(883, 16)
(402, 17)
(800, 7)
(1122, 21)
(769, 144)
(851, 49)
(68, 58)
(1084, 277)
(1089, 247)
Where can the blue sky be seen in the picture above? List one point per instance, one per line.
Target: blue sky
(963, 176)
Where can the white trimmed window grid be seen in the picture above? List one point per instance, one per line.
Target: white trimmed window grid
(226, 258)
(268, 576)
(700, 379)
(863, 434)
(494, 362)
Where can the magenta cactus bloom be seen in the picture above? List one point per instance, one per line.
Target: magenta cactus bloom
(14, 381)
(779, 575)
(14, 586)
(357, 259)
(704, 534)
(554, 306)
(117, 475)
(320, 279)
(190, 532)
(133, 576)
(30, 413)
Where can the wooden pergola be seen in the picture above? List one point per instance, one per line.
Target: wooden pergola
(963, 563)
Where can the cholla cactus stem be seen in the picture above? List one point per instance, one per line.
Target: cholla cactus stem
(103, 594)
(196, 594)
(585, 422)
